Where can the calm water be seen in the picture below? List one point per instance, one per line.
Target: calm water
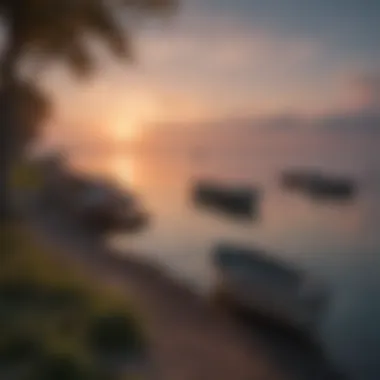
(339, 242)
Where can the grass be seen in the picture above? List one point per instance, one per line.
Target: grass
(26, 175)
(56, 322)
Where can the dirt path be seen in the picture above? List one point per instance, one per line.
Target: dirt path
(189, 339)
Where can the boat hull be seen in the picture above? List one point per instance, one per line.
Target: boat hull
(253, 283)
(233, 200)
(319, 185)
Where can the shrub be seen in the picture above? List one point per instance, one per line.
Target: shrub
(18, 293)
(61, 367)
(17, 349)
(54, 317)
(115, 334)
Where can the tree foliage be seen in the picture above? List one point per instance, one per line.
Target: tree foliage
(58, 28)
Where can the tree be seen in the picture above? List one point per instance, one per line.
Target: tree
(52, 30)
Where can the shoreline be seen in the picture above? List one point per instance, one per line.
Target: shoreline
(188, 337)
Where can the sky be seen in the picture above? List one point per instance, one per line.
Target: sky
(231, 60)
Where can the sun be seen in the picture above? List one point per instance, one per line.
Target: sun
(125, 128)
(128, 120)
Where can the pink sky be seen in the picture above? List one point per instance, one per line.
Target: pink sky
(213, 66)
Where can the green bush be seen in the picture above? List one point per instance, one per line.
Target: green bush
(61, 367)
(55, 317)
(61, 298)
(115, 334)
(17, 349)
(18, 291)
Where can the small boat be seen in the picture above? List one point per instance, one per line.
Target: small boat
(96, 203)
(104, 206)
(332, 188)
(240, 200)
(318, 185)
(255, 282)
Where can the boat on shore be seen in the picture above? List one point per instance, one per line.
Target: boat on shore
(103, 206)
(96, 203)
(252, 281)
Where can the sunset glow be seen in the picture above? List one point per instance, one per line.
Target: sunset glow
(217, 164)
(124, 129)
(231, 61)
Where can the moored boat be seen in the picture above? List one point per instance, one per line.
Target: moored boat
(242, 200)
(255, 282)
(102, 205)
(318, 184)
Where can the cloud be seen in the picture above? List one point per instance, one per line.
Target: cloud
(219, 64)
(221, 44)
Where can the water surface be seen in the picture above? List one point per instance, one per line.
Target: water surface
(338, 241)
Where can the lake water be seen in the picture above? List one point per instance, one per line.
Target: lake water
(340, 242)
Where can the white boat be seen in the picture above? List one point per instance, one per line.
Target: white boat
(255, 282)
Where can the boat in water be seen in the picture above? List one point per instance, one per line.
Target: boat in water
(255, 282)
(319, 185)
(232, 199)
